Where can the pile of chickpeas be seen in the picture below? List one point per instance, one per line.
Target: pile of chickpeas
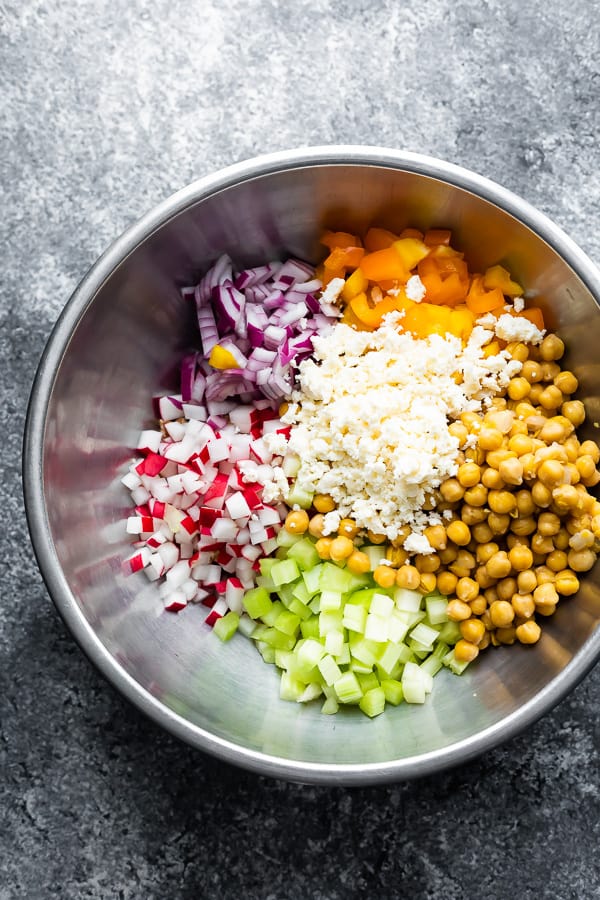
(521, 525)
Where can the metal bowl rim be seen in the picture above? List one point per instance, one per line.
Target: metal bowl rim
(33, 447)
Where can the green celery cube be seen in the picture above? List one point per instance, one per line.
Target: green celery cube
(257, 602)
(284, 571)
(329, 669)
(304, 553)
(287, 622)
(309, 628)
(226, 626)
(373, 702)
(393, 691)
(354, 618)
(348, 689)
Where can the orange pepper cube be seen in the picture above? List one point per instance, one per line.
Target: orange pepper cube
(499, 277)
(342, 239)
(379, 239)
(382, 265)
(411, 251)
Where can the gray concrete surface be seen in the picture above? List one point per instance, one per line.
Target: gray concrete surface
(106, 108)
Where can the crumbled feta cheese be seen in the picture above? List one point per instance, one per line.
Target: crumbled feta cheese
(333, 290)
(518, 304)
(370, 421)
(518, 328)
(331, 522)
(417, 543)
(276, 443)
(415, 289)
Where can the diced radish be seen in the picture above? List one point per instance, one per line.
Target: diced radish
(176, 430)
(268, 516)
(175, 601)
(169, 554)
(234, 593)
(218, 610)
(224, 530)
(149, 441)
(237, 506)
(156, 539)
(170, 408)
(138, 561)
(131, 480)
(178, 573)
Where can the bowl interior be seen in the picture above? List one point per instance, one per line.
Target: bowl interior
(125, 348)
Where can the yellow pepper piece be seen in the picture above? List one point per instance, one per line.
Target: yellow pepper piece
(462, 322)
(491, 349)
(355, 285)
(411, 251)
(220, 358)
(499, 277)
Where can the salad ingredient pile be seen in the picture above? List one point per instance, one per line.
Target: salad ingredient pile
(372, 469)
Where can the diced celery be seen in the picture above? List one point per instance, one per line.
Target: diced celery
(310, 627)
(330, 621)
(226, 626)
(266, 564)
(259, 630)
(285, 592)
(343, 658)
(301, 592)
(284, 571)
(286, 539)
(367, 681)
(381, 605)
(247, 626)
(304, 553)
(287, 622)
(354, 618)
(334, 578)
(413, 683)
(311, 578)
(315, 604)
(278, 640)
(393, 691)
(299, 497)
(428, 679)
(365, 651)
(440, 650)
(375, 553)
(334, 641)
(406, 654)
(376, 628)
(360, 668)
(390, 657)
(309, 653)
(266, 581)
(290, 464)
(270, 617)
(257, 602)
(409, 601)
(310, 692)
(284, 658)
(455, 665)
(330, 600)
(436, 607)
(357, 582)
(348, 689)
(420, 651)
(330, 707)
(299, 609)
(373, 702)
(363, 597)
(450, 633)
(290, 688)
(397, 628)
(432, 664)
(329, 669)
(268, 654)
(424, 635)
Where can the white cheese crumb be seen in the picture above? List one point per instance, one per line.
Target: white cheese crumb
(333, 290)
(417, 543)
(276, 443)
(513, 328)
(415, 289)
(331, 522)
(518, 304)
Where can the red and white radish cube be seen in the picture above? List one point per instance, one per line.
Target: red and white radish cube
(149, 441)
(178, 573)
(224, 530)
(237, 506)
(175, 601)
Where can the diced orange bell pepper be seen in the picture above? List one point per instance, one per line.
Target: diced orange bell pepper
(462, 322)
(342, 239)
(437, 236)
(411, 251)
(372, 316)
(481, 301)
(499, 277)
(425, 319)
(411, 233)
(535, 315)
(379, 239)
(355, 284)
(491, 349)
(452, 290)
(344, 258)
(383, 264)
(349, 318)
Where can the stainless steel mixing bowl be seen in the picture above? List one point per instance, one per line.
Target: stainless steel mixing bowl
(118, 342)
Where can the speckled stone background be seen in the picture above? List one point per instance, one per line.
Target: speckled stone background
(105, 109)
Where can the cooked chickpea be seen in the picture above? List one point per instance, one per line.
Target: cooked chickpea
(396, 556)
(501, 502)
(551, 397)
(446, 583)
(532, 371)
(452, 490)
(521, 558)
(473, 515)
(571, 444)
(436, 535)
(476, 496)
(483, 578)
(517, 427)
(590, 448)
(348, 528)
(553, 431)
(359, 563)
(463, 564)
(585, 466)
(482, 533)
(528, 632)
(459, 431)
(566, 583)
(541, 494)
(550, 370)
(581, 560)
(561, 539)
(448, 555)
(511, 471)
(506, 587)
(467, 589)
(499, 522)
(465, 651)
(499, 565)
(491, 595)
(384, 576)
(491, 479)
(316, 525)
(323, 547)
(505, 635)
(429, 562)
(565, 497)
(536, 392)
(458, 611)
(323, 503)
(551, 348)
(557, 560)
(472, 630)
(541, 544)
(551, 473)
(518, 350)
(341, 548)
(468, 474)
(490, 438)
(375, 538)
(566, 382)
(478, 605)
(408, 577)
(296, 522)
(525, 504)
(581, 540)
(574, 411)
(523, 526)
(458, 533)
(518, 388)
(529, 464)
(501, 613)
(427, 582)
(486, 551)
(526, 582)
(519, 444)
(523, 605)
(495, 457)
